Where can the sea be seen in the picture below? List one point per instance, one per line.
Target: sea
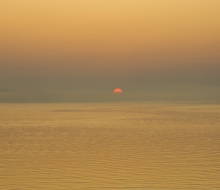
(130, 145)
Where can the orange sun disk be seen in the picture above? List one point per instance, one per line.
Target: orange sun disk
(117, 90)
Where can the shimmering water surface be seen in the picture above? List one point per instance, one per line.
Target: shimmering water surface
(109, 146)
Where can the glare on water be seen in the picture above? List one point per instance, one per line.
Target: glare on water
(109, 146)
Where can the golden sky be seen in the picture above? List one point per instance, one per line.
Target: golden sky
(89, 38)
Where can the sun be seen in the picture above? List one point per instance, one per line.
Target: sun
(117, 90)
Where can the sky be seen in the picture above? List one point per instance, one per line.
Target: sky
(79, 51)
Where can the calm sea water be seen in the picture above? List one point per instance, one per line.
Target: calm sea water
(109, 146)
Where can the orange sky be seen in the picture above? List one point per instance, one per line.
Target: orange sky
(94, 27)
(93, 37)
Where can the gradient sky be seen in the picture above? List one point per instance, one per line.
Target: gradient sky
(79, 51)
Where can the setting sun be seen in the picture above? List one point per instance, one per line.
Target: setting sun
(117, 90)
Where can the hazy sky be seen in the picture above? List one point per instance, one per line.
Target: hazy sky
(80, 50)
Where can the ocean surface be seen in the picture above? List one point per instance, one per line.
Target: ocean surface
(109, 146)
